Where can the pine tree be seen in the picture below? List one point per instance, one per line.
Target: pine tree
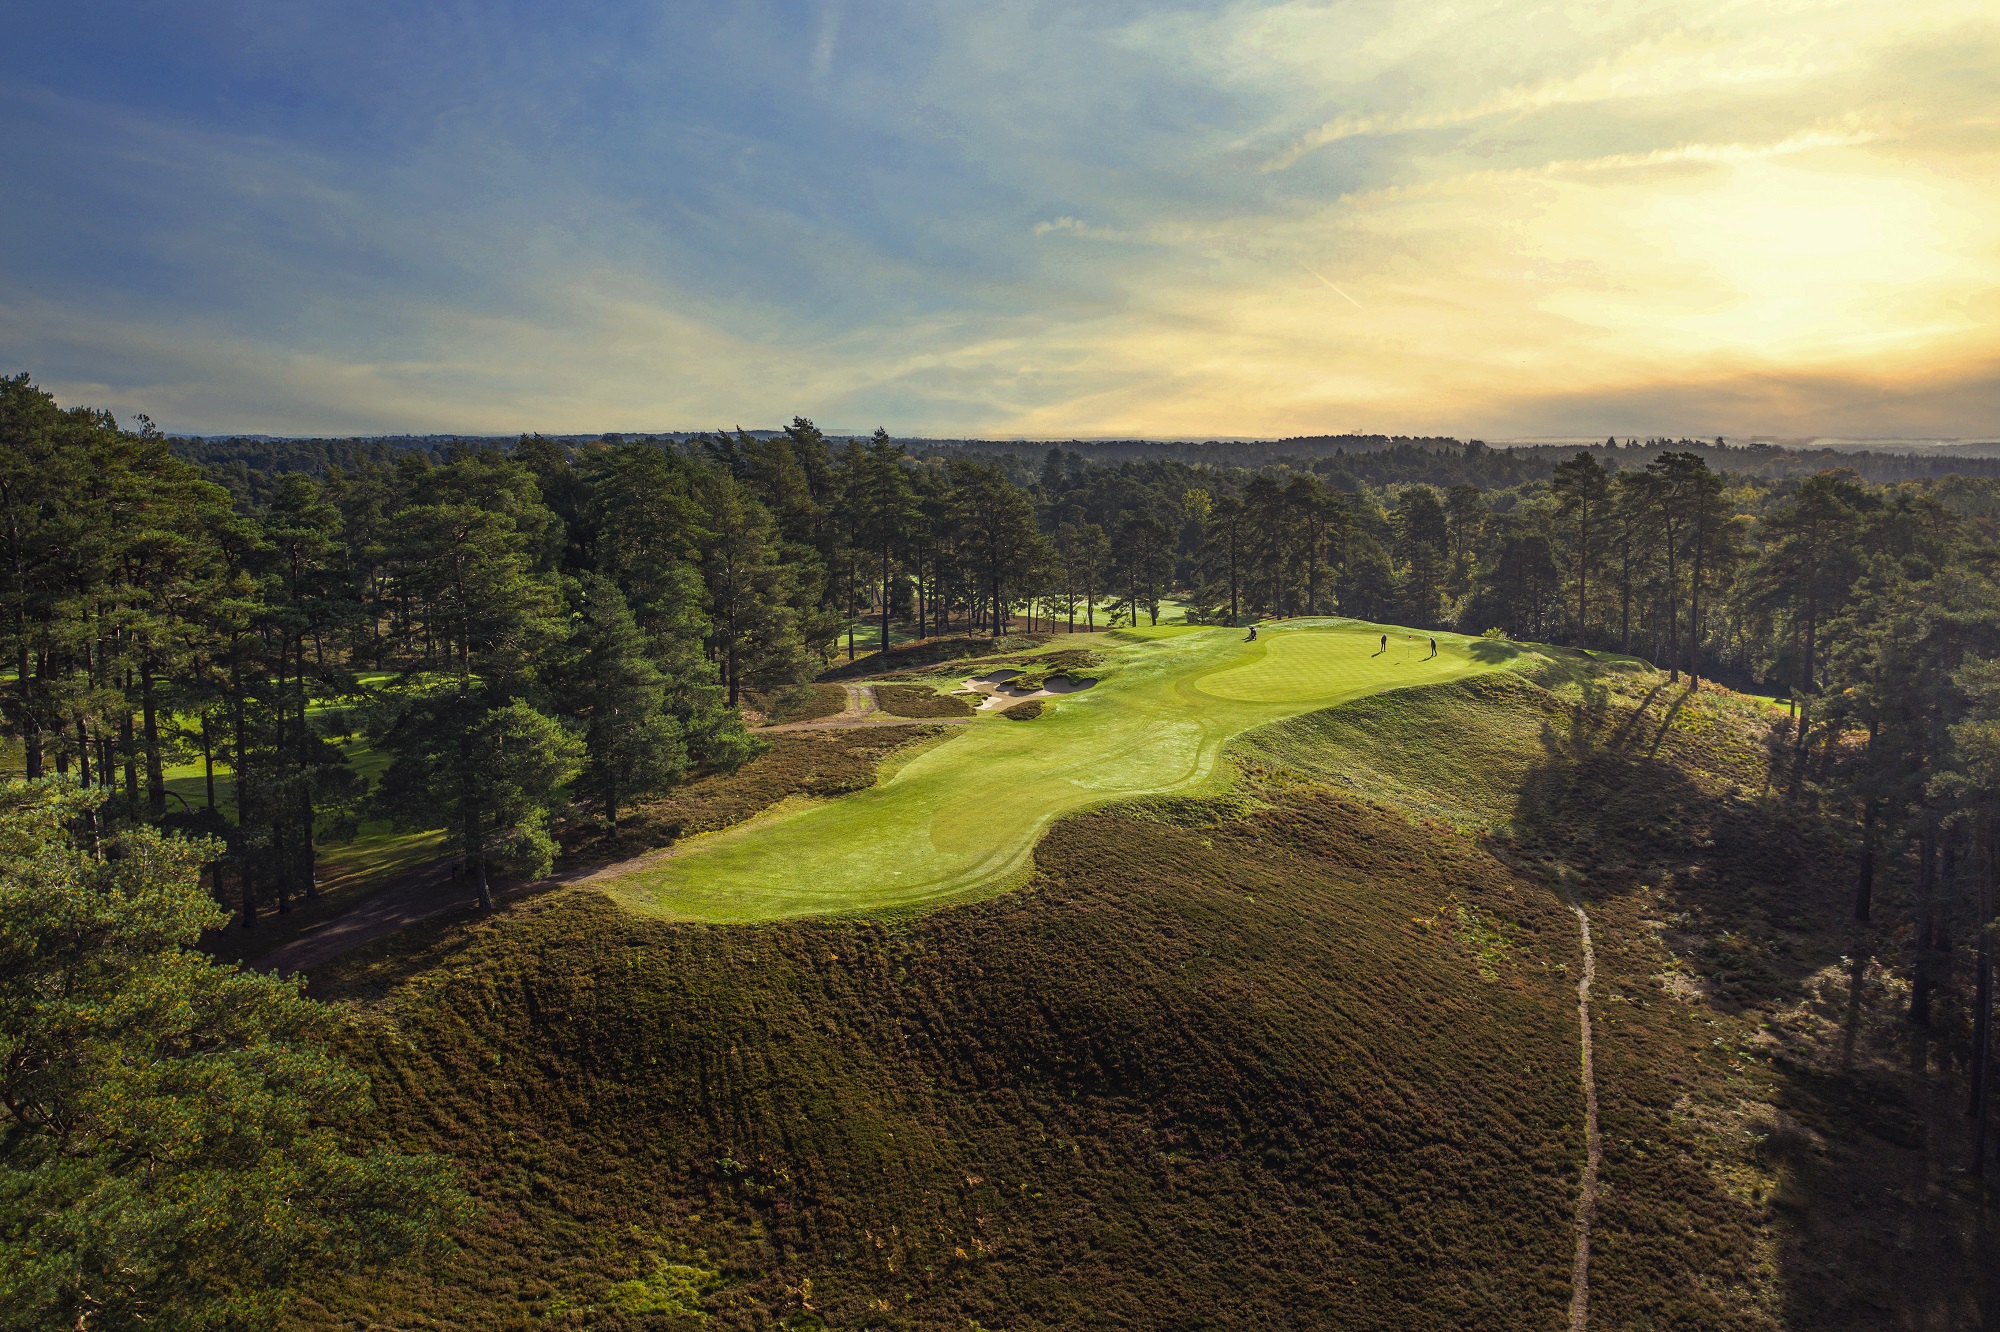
(1583, 493)
(615, 697)
(748, 588)
(182, 1146)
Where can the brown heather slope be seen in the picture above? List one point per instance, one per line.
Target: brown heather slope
(1304, 1057)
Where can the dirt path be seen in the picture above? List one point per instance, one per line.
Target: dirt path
(862, 710)
(397, 905)
(1593, 1151)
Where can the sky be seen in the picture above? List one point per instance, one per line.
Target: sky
(1501, 219)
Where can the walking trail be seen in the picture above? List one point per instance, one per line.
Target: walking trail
(1586, 1200)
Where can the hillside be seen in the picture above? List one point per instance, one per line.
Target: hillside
(1297, 1052)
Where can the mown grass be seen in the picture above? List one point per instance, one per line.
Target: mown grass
(811, 765)
(1298, 1054)
(963, 819)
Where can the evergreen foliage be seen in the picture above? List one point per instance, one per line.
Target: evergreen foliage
(175, 1137)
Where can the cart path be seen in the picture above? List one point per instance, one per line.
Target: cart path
(1593, 1152)
(423, 893)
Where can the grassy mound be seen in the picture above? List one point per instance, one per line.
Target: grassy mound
(1025, 711)
(914, 700)
(1197, 1077)
(963, 820)
(1303, 1054)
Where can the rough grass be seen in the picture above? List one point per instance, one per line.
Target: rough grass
(914, 700)
(1300, 1055)
(803, 702)
(1192, 1078)
(929, 651)
(1026, 710)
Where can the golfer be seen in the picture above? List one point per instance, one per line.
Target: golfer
(1434, 646)
(1253, 635)
(1385, 643)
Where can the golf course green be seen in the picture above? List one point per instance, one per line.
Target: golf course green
(963, 817)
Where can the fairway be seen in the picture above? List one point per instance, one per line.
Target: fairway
(963, 817)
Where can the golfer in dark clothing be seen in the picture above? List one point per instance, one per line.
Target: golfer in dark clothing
(1253, 635)
(1434, 647)
(1385, 643)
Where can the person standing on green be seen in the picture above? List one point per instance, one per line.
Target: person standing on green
(1385, 644)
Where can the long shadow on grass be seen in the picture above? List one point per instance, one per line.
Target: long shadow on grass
(1660, 819)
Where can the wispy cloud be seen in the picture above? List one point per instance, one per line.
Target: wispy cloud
(1076, 226)
(1017, 217)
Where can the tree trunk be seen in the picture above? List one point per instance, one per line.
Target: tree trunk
(475, 857)
(208, 762)
(31, 729)
(1922, 973)
(129, 747)
(1235, 615)
(1864, 884)
(1625, 613)
(308, 850)
(151, 719)
(1583, 583)
(1694, 609)
(1982, 1009)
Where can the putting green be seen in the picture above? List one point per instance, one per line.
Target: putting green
(964, 817)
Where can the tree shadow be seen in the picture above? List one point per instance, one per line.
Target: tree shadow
(1730, 905)
(1492, 651)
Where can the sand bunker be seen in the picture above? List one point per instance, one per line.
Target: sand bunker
(1001, 693)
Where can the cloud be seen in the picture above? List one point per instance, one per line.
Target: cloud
(1074, 226)
(1013, 218)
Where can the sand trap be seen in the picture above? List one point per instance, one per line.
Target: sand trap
(1001, 694)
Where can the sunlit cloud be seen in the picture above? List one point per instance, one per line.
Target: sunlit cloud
(1018, 219)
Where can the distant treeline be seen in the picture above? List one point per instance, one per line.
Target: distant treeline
(249, 465)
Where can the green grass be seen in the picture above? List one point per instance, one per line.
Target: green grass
(1299, 1055)
(379, 849)
(963, 818)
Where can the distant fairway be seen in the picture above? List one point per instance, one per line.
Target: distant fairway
(964, 817)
